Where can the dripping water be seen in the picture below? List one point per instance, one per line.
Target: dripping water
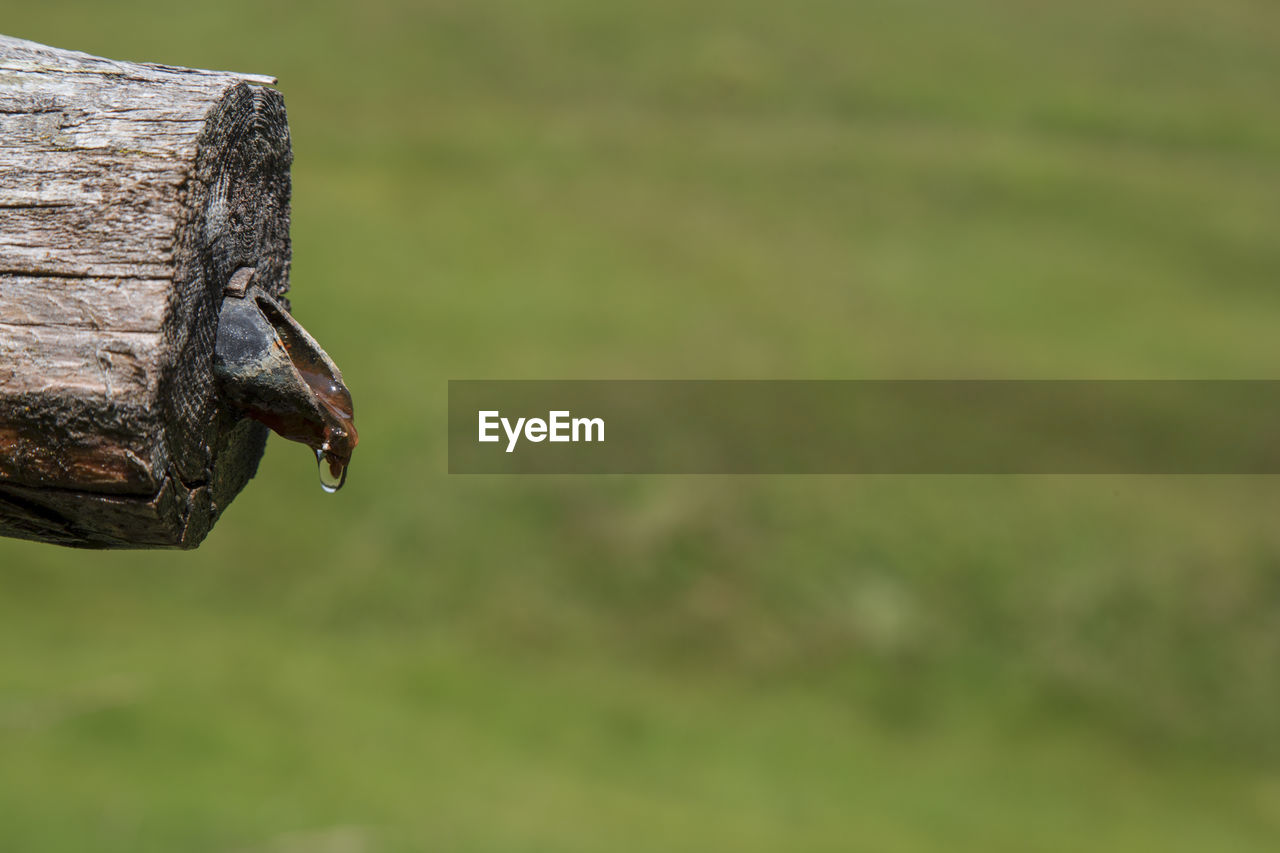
(333, 471)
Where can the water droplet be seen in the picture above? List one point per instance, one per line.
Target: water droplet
(333, 472)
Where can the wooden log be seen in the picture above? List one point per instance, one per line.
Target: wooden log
(129, 195)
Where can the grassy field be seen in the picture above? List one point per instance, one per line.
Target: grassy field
(569, 189)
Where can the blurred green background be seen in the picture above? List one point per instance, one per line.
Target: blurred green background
(660, 189)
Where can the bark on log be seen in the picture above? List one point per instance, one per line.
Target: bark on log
(129, 194)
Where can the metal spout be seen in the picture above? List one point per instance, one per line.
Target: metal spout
(268, 365)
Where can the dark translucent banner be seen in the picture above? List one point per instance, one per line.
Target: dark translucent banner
(864, 427)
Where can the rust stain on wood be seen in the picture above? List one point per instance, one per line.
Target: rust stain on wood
(98, 464)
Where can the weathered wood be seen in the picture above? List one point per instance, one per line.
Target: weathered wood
(129, 195)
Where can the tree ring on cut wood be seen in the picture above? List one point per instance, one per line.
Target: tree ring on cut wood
(239, 193)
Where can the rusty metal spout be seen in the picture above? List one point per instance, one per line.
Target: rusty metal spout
(270, 367)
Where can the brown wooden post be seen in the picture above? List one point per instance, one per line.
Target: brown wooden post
(129, 195)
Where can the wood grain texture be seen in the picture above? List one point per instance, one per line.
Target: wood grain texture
(129, 194)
